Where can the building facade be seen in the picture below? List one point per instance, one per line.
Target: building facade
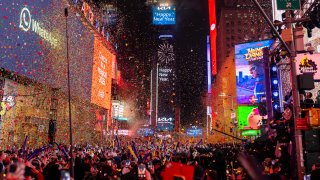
(34, 65)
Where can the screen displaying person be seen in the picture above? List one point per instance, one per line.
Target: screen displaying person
(257, 73)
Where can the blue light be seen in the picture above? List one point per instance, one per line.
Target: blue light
(276, 106)
(275, 82)
(275, 94)
(274, 68)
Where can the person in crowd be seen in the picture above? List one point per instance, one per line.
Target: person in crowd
(315, 173)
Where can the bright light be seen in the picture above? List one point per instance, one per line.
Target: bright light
(275, 82)
(276, 94)
(276, 106)
(274, 68)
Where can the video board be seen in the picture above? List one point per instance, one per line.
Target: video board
(101, 75)
(194, 132)
(249, 118)
(164, 15)
(250, 71)
(166, 83)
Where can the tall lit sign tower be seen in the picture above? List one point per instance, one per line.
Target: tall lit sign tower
(166, 78)
(213, 35)
(164, 110)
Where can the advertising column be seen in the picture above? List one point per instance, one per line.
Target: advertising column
(166, 83)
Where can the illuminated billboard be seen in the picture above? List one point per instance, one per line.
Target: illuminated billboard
(249, 118)
(213, 35)
(101, 75)
(33, 44)
(166, 83)
(164, 15)
(308, 64)
(250, 71)
(194, 132)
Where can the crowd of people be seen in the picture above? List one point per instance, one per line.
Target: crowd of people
(141, 158)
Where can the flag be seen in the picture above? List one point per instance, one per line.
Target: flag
(132, 152)
(177, 146)
(36, 152)
(24, 146)
(199, 143)
(118, 142)
(134, 148)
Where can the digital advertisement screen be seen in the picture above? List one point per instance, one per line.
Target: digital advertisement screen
(251, 133)
(145, 132)
(166, 83)
(101, 75)
(165, 124)
(33, 44)
(164, 15)
(213, 35)
(194, 132)
(250, 71)
(249, 118)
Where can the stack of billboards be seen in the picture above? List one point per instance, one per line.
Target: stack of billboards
(250, 84)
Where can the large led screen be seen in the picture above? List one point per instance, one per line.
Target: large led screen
(194, 132)
(166, 83)
(164, 15)
(250, 71)
(101, 75)
(33, 44)
(213, 35)
(249, 118)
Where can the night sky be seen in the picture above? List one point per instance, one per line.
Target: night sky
(191, 30)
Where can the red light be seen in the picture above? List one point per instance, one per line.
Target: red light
(213, 35)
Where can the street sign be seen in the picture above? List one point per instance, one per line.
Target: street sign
(301, 123)
(288, 4)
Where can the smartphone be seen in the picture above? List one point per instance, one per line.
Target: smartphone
(142, 171)
(109, 163)
(127, 163)
(150, 165)
(65, 175)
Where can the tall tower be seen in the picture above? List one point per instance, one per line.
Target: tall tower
(163, 85)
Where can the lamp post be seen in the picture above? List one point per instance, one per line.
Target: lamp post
(69, 95)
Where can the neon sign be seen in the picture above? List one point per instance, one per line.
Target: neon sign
(213, 35)
(27, 23)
